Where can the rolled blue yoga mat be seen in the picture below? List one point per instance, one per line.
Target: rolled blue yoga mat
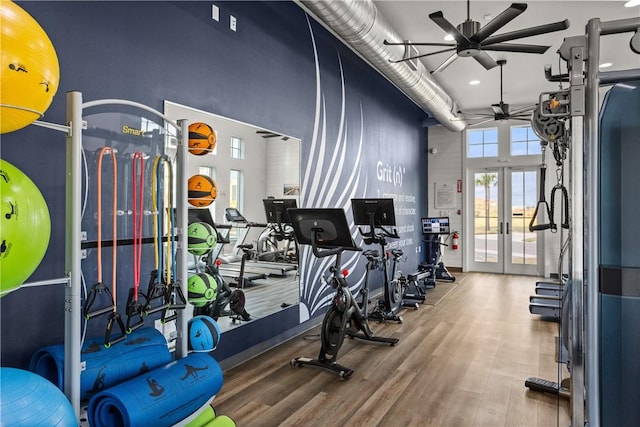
(161, 397)
(143, 350)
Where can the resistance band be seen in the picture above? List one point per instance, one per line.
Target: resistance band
(100, 287)
(174, 296)
(156, 287)
(134, 308)
(161, 284)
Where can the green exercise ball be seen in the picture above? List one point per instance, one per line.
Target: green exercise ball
(25, 227)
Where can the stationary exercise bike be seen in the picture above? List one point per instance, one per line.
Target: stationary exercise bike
(233, 299)
(277, 242)
(327, 232)
(378, 213)
(432, 230)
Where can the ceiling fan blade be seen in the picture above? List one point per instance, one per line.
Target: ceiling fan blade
(481, 122)
(485, 60)
(499, 21)
(517, 47)
(420, 56)
(476, 116)
(446, 63)
(524, 110)
(527, 32)
(448, 27)
(386, 43)
(267, 134)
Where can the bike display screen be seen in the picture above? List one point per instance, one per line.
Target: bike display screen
(276, 210)
(380, 211)
(437, 225)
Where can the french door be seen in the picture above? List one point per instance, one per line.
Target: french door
(502, 201)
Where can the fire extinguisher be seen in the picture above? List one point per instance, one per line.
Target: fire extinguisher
(454, 240)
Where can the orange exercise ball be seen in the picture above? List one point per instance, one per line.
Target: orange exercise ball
(29, 70)
(202, 191)
(202, 139)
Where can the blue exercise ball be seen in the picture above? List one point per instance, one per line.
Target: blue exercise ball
(27, 399)
(204, 334)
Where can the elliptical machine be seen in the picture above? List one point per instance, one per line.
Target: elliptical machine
(327, 231)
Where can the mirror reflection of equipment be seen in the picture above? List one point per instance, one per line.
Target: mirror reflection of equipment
(227, 302)
(269, 164)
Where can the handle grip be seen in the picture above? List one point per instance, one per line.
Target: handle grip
(97, 289)
(108, 341)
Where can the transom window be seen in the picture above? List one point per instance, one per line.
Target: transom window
(524, 142)
(482, 143)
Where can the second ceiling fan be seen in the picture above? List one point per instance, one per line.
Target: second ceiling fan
(473, 40)
(500, 111)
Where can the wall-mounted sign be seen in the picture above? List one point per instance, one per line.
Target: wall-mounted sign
(444, 196)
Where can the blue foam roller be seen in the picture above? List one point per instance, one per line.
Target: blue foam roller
(161, 397)
(143, 350)
(27, 399)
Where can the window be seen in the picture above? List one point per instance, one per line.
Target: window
(211, 173)
(482, 143)
(208, 171)
(524, 142)
(235, 189)
(237, 148)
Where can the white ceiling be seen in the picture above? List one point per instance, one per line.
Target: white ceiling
(524, 73)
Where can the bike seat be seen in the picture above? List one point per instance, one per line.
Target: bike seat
(397, 253)
(246, 247)
(371, 253)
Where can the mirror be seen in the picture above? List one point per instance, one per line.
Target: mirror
(257, 176)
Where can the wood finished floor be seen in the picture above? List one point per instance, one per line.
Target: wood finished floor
(461, 362)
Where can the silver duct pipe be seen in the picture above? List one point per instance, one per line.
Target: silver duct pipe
(360, 25)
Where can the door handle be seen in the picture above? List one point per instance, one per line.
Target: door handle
(507, 228)
(500, 228)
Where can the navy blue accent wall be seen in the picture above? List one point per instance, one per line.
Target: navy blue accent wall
(265, 74)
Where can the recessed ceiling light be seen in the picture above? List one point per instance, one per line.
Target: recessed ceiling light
(474, 82)
(449, 38)
(606, 64)
(632, 3)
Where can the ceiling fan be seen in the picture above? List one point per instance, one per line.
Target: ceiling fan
(266, 134)
(501, 110)
(473, 40)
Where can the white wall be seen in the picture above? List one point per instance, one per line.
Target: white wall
(283, 167)
(446, 166)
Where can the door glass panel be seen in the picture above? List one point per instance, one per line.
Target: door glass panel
(523, 203)
(486, 217)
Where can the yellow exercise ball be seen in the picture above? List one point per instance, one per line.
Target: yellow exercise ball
(29, 69)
